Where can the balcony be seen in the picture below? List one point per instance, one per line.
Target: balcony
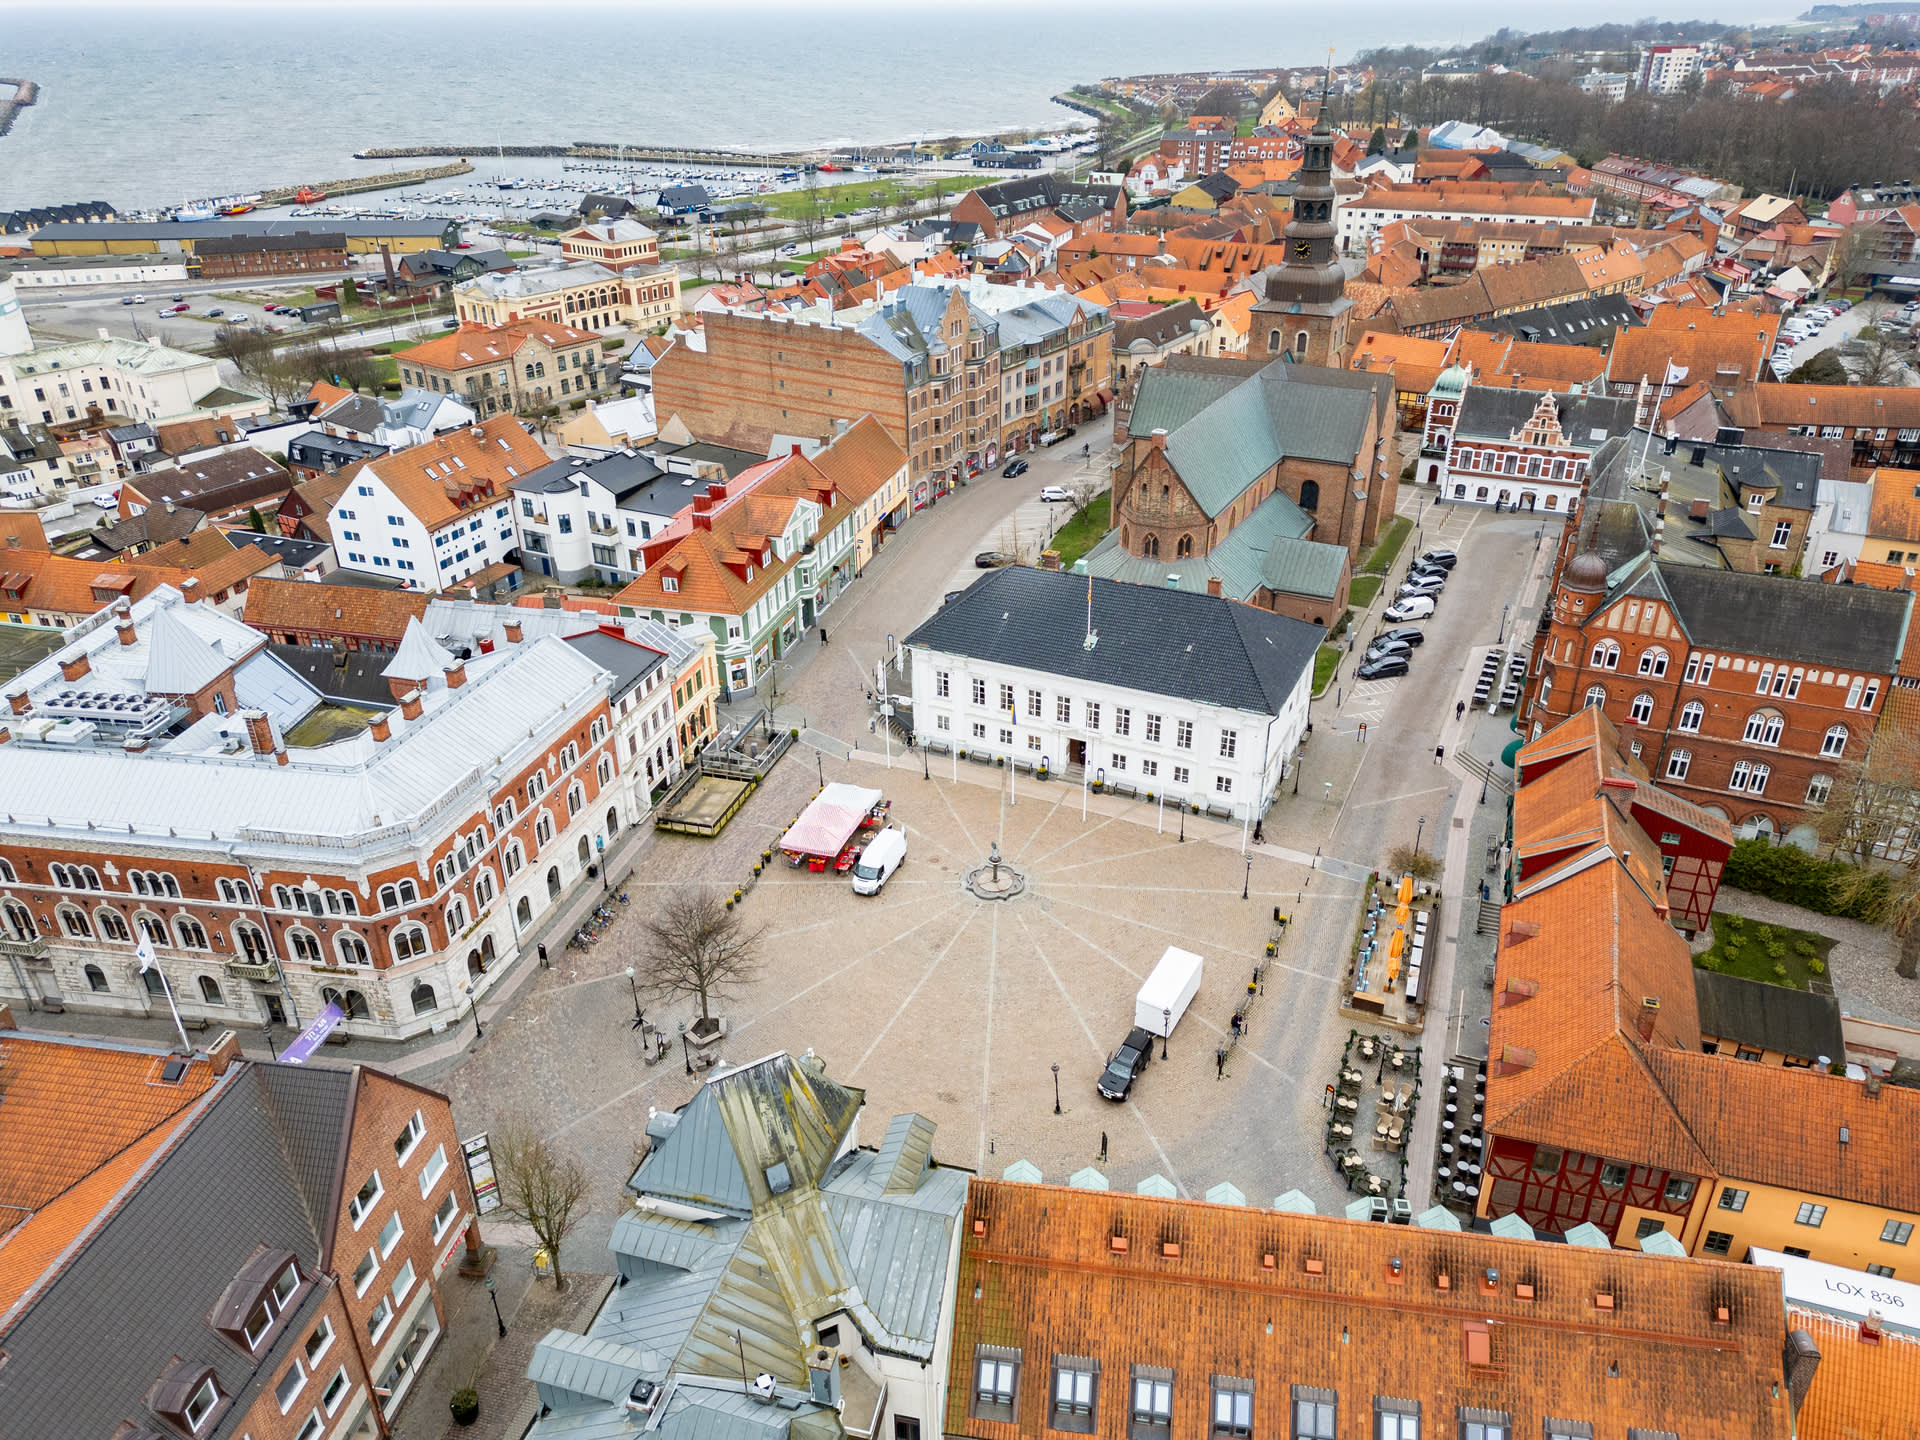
(242, 968)
(35, 949)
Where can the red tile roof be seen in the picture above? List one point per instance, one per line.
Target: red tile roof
(472, 346)
(461, 470)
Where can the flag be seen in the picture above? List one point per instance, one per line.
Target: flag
(145, 952)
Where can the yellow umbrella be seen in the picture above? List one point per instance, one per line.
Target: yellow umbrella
(1406, 889)
(1396, 944)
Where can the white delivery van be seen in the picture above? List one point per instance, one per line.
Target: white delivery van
(1168, 991)
(885, 853)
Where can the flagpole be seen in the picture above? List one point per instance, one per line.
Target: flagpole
(144, 953)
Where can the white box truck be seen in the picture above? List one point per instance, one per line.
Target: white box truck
(1168, 991)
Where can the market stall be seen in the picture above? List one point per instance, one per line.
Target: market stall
(826, 830)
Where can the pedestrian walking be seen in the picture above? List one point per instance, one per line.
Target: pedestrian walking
(1103, 1147)
(1459, 709)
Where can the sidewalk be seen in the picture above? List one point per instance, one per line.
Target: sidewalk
(472, 1351)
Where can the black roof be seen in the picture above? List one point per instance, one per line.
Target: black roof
(1848, 627)
(1041, 192)
(318, 448)
(284, 548)
(253, 1167)
(1767, 1017)
(1167, 642)
(247, 244)
(630, 663)
(622, 472)
(1591, 321)
(352, 676)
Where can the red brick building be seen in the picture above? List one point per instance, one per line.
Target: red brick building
(222, 257)
(1744, 694)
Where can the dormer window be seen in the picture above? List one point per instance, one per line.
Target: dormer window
(259, 1296)
(766, 557)
(186, 1396)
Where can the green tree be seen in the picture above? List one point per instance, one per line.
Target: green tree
(1822, 368)
(1378, 144)
(254, 522)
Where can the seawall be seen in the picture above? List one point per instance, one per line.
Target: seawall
(359, 184)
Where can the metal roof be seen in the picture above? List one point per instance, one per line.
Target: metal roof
(568, 1368)
(419, 657)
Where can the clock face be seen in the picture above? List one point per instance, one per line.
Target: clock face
(1302, 249)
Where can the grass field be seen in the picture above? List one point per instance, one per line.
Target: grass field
(1083, 531)
(1325, 661)
(1380, 560)
(1771, 954)
(883, 191)
(1360, 594)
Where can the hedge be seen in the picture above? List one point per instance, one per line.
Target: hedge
(1788, 874)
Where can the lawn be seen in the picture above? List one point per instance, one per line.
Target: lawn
(1360, 594)
(873, 190)
(1387, 550)
(1772, 954)
(1083, 531)
(1325, 661)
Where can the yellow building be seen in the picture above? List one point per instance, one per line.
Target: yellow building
(585, 294)
(125, 237)
(1278, 110)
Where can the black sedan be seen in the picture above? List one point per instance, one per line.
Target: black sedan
(1384, 668)
(1408, 633)
(1445, 559)
(993, 559)
(1133, 1056)
(1381, 648)
(1014, 468)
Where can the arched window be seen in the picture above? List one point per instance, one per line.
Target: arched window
(251, 942)
(135, 878)
(514, 859)
(476, 966)
(74, 921)
(409, 894)
(483, 888)
(1677, 764)
(305, 946)
(576, 797)
(1150, 547)
(603, 772)
(1183, 547)
(409, 941)
(1309, 494)
(584, 850)
(389, 898)
(1757, 779)
(192, 935)
(523, 912)
(456, 917)
(1273, 342)
(1596, 695)
(1835, 743)
(171, 885)
(6, 873)
(19, 920)
(543, 828)
(569, 756)
(112, 927)
(1764, 727)
(1818, 788)
(97, 980)
(536, 786)
(1606, 656)
(1691, 714)
(1300, 342)
(155, 981)
(351, 949)
(352, 1004)
(424, 1000)
(210, 991)
(613, 821)
(553, 882)
(1641, 711)
(236, 892)
(153, 927)
(1653, 661)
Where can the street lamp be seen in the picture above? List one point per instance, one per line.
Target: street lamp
(685, 1049)
(1166, 1028)
(473, 1003)
(600, 849)
(491, 1295)
(639, 1019)
(267, 1030)
(1247, 880)
(1056, 1089)
(1420, 830)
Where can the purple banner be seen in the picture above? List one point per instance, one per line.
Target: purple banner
(313, 1037)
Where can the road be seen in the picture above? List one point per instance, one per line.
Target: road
(1838, 332)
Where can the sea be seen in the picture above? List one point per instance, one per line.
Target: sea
(157, 104)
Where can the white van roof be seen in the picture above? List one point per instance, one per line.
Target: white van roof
(1169, 979)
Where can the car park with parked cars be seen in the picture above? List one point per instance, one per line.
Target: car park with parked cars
(1407, 633)
(1445, 559)
(1410, 607)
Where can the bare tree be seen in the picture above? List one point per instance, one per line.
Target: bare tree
(1405, 860)
(541, 1187)
(1872, 817)
(1852, 253)
(1881, 353)
(697, 946)
(1085, 485)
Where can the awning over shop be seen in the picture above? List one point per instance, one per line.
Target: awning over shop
(826, 825)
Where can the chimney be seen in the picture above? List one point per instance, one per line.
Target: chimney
(796, 449)
(456, 674)
(1800, 1359)
(399, 686)
(1643, 1022)
(280, 756)
(1159, 439)
(259, 731)
(486, 645)
(223, 1052)
(124, 629)
(513, 632)
(190, 590)
(71, 670)
(6, 734)
(410, 705)
(1213, 585)
(19, 701)
(386, 261)
(380, 728)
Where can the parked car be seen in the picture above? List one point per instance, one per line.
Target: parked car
(1411, 607)
(788, 251)
(885, 853)
(1381, 648)
(1386, 667)
(108, 502)
(1421, 570)
(1014, 469)
(1841, 305)
(239, 317)
(1055, 494)
(1054, 437)
(1126, 1063)
(215, 313)
(178, 298)
(1445, 559)
(1423, 585)
(1406, 633)
(176, 309)
(126, 299)
(993, 559)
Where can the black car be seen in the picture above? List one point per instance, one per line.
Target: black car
(1381, 648)
(1445, 559)
(993, 559)
(1385, 667)
(1133, 1056)
(1407, 633)
(1014, 468)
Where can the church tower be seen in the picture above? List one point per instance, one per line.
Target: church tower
(1304, 312)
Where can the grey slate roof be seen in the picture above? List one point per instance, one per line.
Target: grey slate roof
(1847, 627)
(1576, 322)
(1165, 642)
(1767, 1017)
(358, 681)
(629, 663)
(1589, 421)
(252, 1166)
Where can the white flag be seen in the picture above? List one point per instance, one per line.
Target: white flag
(145, 952)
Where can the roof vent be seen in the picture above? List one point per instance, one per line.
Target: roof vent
(641, 1397)
(779, 1178)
